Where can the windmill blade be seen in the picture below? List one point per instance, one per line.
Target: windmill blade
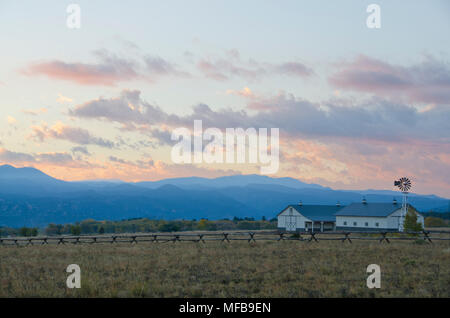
(404, 184)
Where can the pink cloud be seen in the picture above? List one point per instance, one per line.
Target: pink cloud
(426, 82)
(81, 73)
(108, 70)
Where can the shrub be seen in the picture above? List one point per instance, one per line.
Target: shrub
(410, 223)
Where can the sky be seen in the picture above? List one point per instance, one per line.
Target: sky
(356, 107)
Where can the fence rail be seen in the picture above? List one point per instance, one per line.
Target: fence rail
(227, 237)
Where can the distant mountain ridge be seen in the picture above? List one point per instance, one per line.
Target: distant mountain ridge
(229, 181)
(8, 172)
(29, 197)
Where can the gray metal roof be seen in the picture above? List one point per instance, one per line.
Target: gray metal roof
(369, 209)
(324, 213)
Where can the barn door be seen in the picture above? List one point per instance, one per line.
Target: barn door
(291, 222)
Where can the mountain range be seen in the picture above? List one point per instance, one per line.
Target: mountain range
(29, 197)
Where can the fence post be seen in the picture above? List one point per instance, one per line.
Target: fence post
(426, 237)
(384, 238)
(225, 237)
(313, 236)
(347, 237)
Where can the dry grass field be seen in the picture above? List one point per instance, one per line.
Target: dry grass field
(237, 269)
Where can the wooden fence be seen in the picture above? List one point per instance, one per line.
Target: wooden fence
(227, 237)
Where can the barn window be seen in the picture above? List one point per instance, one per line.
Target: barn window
(355, 224)
(367, 223)
(377, 224)
(345, 222)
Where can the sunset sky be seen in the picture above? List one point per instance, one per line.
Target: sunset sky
(356, 107)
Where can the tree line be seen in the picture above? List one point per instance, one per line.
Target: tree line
(143, 225)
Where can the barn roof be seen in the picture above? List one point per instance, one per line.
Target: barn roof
(324, 213)
(369, 209)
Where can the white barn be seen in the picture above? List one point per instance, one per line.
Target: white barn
(371, 217)
(304, 218)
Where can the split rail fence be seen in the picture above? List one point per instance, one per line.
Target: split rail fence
(227, 237)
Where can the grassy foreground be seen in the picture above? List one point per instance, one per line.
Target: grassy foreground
(239, 269)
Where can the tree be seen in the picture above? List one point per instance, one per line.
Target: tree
(169, 227)
(410, 223)
(27, 231)
(75, 230)
(23, 231)
(202, 224)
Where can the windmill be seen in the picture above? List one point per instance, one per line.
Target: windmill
(404, 184)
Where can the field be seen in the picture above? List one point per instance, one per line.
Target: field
(237, 269)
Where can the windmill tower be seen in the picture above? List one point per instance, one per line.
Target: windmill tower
(404, 184)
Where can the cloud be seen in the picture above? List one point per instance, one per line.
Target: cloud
(59, 158)
(35, 112)
(245, 92)
(158, 66)
(72, 134)
(230, 66)
(80, 149)
(163, 136)
(128, 109)
(109, 70)
(63, 99)
(426, 82)
(222, 69)
(294, 69)
(11, 156)
(11, 120)
(375, 118)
